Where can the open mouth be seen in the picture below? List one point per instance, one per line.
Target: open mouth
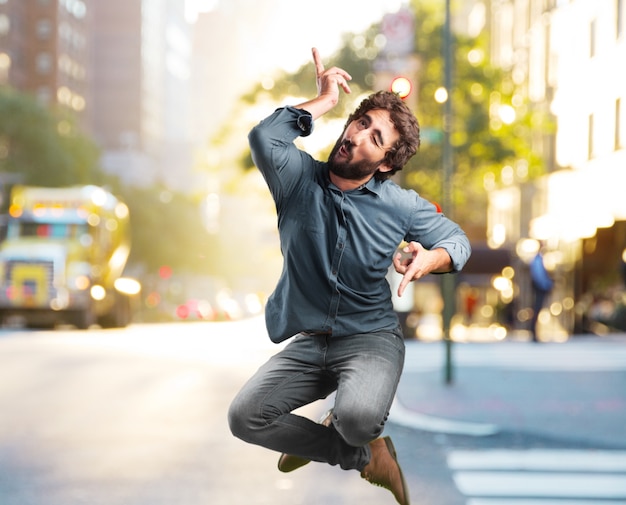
(343, 151)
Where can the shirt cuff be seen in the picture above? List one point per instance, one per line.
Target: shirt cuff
(304, 122)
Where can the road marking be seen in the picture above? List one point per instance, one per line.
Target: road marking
(539, 476)
(539, 460)
(542, 485)
(404, 417)
(500, 501)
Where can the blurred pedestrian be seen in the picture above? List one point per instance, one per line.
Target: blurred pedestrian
(623, 267)
(542, 284)
(340, 223)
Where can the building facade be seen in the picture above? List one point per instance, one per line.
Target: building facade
(122, 66)
(141, 78)
(566, 57)
(45, 49)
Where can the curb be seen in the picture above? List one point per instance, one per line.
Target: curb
(402, 416)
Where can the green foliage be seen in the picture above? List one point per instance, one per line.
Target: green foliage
(167, 229)
(482, 143)
(41, 146)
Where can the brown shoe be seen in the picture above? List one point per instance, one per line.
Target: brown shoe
(383, 469)
(288, 462)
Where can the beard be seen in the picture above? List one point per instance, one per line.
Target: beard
(347, 169)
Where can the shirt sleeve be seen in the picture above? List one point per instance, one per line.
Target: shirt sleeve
(434, 230)
(274, 152)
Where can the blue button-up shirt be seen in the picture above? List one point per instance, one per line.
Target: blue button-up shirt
(338, 245)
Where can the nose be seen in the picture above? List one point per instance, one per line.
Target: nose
(357, 137)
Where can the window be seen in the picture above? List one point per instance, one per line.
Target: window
(44, 95)
(618, 124)
(590, 138)
(5, 24)
(44, 29)
(592, 39)
(43, 63)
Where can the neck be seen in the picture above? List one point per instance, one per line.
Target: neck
(348, 184)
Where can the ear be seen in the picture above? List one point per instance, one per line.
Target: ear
(383, 167)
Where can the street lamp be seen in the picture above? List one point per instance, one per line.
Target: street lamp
(447, 281)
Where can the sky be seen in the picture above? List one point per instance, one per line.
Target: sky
(305, 23)
(263, 37)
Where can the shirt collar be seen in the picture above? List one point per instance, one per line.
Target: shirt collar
(373, 185)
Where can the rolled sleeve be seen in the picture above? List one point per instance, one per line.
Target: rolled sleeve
(459, 249)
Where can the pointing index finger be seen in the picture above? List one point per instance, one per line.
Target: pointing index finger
(403, 284)
(319, 66)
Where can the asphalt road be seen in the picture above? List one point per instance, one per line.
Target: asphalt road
(137, 417)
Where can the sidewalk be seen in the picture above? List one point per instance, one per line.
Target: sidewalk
(575, 389)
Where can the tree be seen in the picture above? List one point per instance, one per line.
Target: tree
(167, 229)
(43, 146)
(492, 121)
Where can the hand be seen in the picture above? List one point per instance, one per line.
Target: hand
(420, 263)
(328, 81)
(328, 84)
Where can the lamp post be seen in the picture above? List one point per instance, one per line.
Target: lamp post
(447, 281)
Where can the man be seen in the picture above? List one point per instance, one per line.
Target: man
(542, 284)
(340, 224)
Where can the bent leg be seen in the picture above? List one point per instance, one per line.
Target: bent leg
(368, 367)
(261, 411)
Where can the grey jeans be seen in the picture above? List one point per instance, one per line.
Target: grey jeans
(363, 369)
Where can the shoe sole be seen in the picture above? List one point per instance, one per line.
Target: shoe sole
(288, 463)
(392, 451)
(295, 462)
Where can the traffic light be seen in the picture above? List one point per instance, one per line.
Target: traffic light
(401, 86)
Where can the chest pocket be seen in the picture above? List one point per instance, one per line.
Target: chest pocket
(312, 209)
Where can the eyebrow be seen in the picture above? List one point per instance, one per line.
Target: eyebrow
(377, 132)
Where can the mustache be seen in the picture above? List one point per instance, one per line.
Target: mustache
(346, 144)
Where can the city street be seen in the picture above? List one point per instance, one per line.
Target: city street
(138, 417)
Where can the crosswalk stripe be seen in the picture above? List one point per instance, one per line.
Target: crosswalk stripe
(524, 501)
(564, 485)
(539, 476)
(539, 460)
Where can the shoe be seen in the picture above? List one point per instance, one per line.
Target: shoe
(383, 470)
(288, 462)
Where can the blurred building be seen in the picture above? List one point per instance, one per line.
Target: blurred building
(141, 79)
(45, 50)
(566, 57)
(123, 66)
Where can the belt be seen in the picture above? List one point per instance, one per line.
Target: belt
(317, 333)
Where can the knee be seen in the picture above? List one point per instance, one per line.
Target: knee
(236, 421)
(358, 428)
(240, 420)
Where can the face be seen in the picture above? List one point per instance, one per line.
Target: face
(360, 151)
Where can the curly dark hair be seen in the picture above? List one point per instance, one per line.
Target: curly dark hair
(405, 122)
